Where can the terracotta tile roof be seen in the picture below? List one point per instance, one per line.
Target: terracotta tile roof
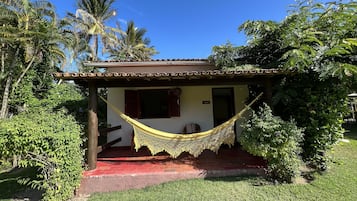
(151, 60)
(151, 63)
(170, 75)
(184, 78)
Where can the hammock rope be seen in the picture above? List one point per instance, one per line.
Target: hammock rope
(175, 144)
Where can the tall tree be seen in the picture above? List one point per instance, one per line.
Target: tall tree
(318, 40)
(89, 23)
(132, 44)
(30, 39)
(315, 36)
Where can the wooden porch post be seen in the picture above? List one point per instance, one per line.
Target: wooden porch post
(268, 91)
(92, 126)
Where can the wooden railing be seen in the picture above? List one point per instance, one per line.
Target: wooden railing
(107, 145)
(104, 132)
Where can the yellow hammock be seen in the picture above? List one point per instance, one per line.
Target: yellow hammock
(175, 144)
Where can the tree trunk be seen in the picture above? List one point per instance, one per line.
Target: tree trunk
(2, 61)
(5, 98)
(95, 48)
(6, 93)
(23, 73)
(15, 161)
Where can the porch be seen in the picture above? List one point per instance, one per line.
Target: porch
(121, 168)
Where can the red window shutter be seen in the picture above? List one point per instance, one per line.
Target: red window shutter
(174, 102)
(132, 103)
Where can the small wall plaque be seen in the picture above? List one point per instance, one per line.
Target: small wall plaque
(206, 102)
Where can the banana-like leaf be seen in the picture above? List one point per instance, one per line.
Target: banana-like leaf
(351, 41)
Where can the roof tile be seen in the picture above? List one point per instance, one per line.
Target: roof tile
(173, 75)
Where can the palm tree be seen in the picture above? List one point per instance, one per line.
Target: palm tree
(29, 36)
(132, 45)
(89, 23)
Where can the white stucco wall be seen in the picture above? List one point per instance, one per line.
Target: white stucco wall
(192, 111)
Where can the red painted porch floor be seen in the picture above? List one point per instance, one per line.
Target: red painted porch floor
(121, 168)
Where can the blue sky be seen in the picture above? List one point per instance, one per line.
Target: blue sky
(190, 28)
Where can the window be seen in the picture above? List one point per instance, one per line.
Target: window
(156, 103)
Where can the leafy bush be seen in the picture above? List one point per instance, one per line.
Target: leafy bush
(49, 141)
(275, 140)
(4, 164)
(46, 135)
(319, 107)
(317, 41)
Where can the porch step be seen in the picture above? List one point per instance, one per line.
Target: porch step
(120, 182)
(120, 169)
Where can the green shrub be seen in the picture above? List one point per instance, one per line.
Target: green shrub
(49, 141)
(5, 164)
(318, 106)
(275, 140)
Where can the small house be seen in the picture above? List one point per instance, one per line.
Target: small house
(172, 95)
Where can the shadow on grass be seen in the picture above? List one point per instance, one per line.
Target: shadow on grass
(252, 180)
(10, 188)
(305, 178)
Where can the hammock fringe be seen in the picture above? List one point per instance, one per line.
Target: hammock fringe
(174, 144)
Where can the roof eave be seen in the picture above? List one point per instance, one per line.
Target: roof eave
(152, 63)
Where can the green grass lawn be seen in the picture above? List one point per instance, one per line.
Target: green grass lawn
(338, 183)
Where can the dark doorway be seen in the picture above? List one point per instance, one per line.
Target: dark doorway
(223, 104)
